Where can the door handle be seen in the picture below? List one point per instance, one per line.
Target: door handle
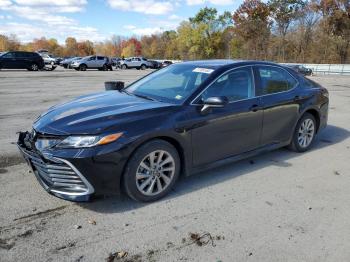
(296, 98)
(255, 108)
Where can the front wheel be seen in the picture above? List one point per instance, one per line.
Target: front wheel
(304, 133)
(82, 67)
(152, 171)
(124, 67)
(143, 67)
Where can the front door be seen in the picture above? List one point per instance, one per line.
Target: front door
(233, 129)
(8, 60)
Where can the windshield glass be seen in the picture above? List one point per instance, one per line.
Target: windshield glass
(171, 84)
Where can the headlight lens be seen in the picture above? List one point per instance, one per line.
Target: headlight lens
(88, 141)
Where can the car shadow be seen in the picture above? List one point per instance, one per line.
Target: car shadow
(118, 204)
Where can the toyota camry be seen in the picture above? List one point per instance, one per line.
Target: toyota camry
(176, 121)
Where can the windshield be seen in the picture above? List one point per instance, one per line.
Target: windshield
(171, 84)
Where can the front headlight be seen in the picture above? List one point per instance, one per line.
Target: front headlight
(88, 141)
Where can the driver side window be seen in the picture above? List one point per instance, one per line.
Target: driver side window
(235, 85)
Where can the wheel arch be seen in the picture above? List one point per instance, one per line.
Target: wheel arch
(316, 114)
(171, 140)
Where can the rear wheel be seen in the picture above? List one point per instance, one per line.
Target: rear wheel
(105, 67)
(33, 67)
(152, 171)
(143, 67)
(304, 133)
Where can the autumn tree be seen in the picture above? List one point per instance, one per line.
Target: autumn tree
(252, 30)
(336, 24)
(131, 47)
(71, 46)
(284, 13)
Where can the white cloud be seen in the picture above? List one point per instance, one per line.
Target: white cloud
(51, 2)
(214, 2)
(142, 6)
(5, 3)
(40, 14)
(47, 13)
(143, 31)
(27, 32)
(175, 17)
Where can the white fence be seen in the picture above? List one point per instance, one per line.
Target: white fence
(326, 69)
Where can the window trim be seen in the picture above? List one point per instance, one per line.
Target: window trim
(297, 85)
(226, 72)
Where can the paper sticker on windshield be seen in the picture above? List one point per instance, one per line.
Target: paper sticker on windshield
(203, 70)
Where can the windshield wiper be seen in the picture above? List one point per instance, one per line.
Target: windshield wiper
(138, 95)
(144, 97)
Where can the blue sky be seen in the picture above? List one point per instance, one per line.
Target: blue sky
(98, 20)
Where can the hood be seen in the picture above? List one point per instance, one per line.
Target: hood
(95, 113)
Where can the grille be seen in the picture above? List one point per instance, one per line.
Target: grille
(59, 176)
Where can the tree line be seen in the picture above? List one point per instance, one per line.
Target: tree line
(302, 31)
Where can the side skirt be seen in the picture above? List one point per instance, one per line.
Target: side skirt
(238, 157)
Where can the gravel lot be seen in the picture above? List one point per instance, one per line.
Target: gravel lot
(280, 206)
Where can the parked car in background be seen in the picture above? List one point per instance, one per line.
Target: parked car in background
(301, 69)
(21, 60)
(92, 62)
(184, 118)
(155, 64)
(135, 62)
(115, 61)
(66, 63)
(166, 63)
(50, 61)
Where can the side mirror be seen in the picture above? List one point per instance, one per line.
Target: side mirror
(215, 101)
(114, 85)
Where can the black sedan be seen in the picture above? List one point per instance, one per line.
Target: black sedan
(301, 69)
(175, 121)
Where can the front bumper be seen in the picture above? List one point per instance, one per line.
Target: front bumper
(74, 175)
(58, 176)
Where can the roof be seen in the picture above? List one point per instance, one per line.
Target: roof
(216, 63)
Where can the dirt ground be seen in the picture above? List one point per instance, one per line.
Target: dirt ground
(280, 206)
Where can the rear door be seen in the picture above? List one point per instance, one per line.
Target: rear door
(277, 89)
(100, 61)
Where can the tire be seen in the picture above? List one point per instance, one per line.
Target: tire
(33, 67)
(105, 67)
(83, 67)
(124, 67)
(304, 133)
(143, 67)
(151, 184)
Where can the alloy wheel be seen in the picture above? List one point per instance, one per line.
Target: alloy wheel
(155, 172)
(34, 67)
(306, 133)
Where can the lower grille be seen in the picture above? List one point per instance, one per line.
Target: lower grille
(59, 176)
